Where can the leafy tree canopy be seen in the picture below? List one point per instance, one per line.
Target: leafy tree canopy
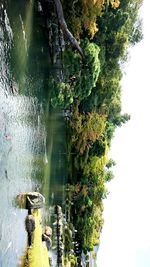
(63, 93)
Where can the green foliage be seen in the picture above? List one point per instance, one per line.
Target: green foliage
(81, 15)
(63, 93)
(89, 223)
(133, 25)
(124, 20)
(98, 149)
(86, 73)
(67, 240)
(120, 119)
(60, 93)
(86, 129)
(110, 129)
(110, 163)
(96, 102)
(95, 166)
(108, 176)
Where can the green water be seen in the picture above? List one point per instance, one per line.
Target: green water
(56, 170)
(32, 136)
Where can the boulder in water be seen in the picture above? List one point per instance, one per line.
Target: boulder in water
(30, 200)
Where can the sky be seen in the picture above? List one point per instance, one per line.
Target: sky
(125, 240)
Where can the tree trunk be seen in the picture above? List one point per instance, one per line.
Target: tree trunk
(65, 29)
(47, 7)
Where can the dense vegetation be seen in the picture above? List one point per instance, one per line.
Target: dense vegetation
(65, 92)
(92, 102)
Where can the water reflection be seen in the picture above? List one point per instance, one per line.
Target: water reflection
(22, 135)
(32, 147)
(22, 40)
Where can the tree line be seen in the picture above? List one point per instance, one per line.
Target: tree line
(90, 94)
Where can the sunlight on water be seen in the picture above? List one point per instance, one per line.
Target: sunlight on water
(32, 149)
(22, 137)
(22, 41)
(8, 28)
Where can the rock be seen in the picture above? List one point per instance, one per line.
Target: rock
(48, 231)
(47, 240)
(30, 224)
(30, 200)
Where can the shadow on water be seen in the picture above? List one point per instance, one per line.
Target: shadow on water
(32, 138)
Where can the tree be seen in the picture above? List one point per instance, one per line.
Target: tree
(98, 111)
(110, 163)
(108, 176)
(86, 129)
(119, 119)
(63, 93)
(81, 15)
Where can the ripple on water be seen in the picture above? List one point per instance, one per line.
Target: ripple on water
(22, 140)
